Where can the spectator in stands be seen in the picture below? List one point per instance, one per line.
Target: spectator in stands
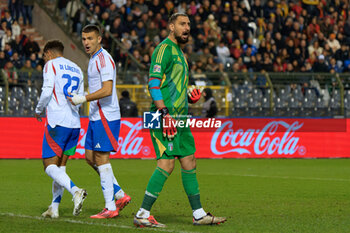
(18, 45)
(326, 26)
(140, 30)
(15, 8)
(278, 23)
(31, 47)
(16, 61)
(152, 30)
(27, 68)
(209, 108)
(36, 76)
(16, 29)
(279, 65)
(8, 19)
(117, 28)
(105, 18)
(8, 51)
(342, 54)
(128, 108)
(315, 49)
(10, 72)
(3, 29)
(320, 65)
(27, 11)
(62, 5)
(112, 11)
(2, 59)
(250, 45)
(333, 65)
(7, 39)
(78, 20)
(146, 61)
(211, 66)
(34, 61)
(333, 43)
(224, 53)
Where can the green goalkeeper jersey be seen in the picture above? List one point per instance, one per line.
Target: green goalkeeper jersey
(170, 65)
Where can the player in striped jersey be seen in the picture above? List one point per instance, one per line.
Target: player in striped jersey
(104, 116)
(168, 82)
(61, 76)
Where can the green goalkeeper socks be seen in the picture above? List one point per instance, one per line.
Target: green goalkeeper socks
(154, 187)
(190, 183)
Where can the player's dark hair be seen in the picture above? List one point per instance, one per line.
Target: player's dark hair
(54, 45)
(174, 16)
(92, 28)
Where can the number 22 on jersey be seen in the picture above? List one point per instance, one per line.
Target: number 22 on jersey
(69, 83)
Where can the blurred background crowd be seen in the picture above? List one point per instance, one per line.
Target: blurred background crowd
(237, 36)
(229, 39)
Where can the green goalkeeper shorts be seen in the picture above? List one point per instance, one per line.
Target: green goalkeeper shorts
(181, 146)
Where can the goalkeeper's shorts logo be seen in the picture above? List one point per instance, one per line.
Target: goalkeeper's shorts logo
(170, 146)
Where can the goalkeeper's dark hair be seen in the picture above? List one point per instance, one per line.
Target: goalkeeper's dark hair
(92, 28)
(54, 45)
(174, 16)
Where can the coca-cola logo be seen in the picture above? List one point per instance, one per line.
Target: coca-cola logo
(257, 141)
(129, 144)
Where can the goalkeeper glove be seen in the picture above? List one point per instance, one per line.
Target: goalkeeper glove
(169, 128)
(194, 94)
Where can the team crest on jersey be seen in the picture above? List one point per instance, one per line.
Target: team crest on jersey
(156, 69)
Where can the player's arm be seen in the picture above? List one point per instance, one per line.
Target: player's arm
(47, 89)
(80, 90)
(159, 63)
(106, 73)
(106, 90)
(161, 59)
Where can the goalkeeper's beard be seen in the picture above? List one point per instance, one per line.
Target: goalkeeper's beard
(179, 39)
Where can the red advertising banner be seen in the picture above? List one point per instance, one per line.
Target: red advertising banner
(236, 138)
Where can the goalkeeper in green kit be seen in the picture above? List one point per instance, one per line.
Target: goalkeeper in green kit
(168, 82)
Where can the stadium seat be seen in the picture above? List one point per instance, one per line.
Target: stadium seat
(17, 92)
(253, 103)
(237, 103)
(297, 94)
(334, 103)
(346, 104)
(257, 94)
(23, 77)
(2, 109)
(310, 94)
(307, 107)
(268, 92)
(336, 95)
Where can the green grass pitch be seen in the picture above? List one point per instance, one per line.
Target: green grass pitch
(272, 195)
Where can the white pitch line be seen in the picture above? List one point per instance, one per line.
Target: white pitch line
(91, 223)
(280, 177)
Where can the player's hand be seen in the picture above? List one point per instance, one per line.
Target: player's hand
(169, 128)
(77, 99)
(194, 93)
(38, 117)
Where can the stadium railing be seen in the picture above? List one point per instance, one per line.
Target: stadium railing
(236, 94)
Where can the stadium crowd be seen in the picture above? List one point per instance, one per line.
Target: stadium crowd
(19, 52)
(237, 36)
